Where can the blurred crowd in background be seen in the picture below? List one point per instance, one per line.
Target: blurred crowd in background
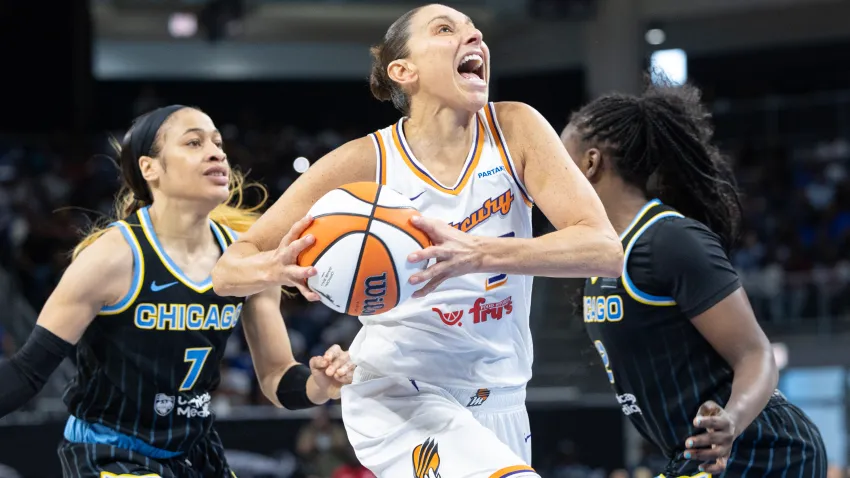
(793, 254)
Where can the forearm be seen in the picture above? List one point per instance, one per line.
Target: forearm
(242, 271)
(575, 251)
(17, 388)
(753, 384)
(294, 388)
(25, 374)
(316, 395)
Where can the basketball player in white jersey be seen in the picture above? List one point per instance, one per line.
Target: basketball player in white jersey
(441, 379)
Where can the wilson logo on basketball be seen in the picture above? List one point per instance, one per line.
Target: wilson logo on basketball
(426, 460)
(479, 398)
(376, 289)
(480, 312)
(497, 205)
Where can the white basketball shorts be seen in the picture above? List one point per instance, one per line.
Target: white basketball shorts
(401, 428)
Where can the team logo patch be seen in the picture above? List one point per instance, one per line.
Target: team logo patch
(426, 460)
(450, 318)
(479, 398)
(163, 404)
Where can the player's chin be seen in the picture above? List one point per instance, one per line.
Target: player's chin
(473, 100)
(215, 194)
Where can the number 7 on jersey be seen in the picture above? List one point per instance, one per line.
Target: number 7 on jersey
(196, 357)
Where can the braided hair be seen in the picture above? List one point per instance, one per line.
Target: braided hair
(661, 142)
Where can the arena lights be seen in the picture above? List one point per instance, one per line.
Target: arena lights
(183, 25)
(301, 164)
(671, 65)
(655, 36)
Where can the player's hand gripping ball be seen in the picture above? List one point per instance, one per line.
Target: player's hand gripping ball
(454, 253)
(362, 236)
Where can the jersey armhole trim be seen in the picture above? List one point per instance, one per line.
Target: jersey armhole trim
(219, 236)
(631, 289)
(231, 234)
(504, 153)
(381, 155)
(138, 272)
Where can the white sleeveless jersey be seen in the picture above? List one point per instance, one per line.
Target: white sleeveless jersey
(473, 330)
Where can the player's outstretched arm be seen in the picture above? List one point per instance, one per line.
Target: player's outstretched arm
(265, 256)
(98, 277)
(285, 382)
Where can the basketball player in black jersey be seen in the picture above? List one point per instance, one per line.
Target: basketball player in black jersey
(137, 301)
(687, 359)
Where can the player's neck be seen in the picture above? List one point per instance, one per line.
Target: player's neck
(183, 226)
(622, 205)
(431, 130)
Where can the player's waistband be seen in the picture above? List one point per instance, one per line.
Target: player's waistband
(80, 431)
(480, 398)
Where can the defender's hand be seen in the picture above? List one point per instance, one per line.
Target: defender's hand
(332, 370)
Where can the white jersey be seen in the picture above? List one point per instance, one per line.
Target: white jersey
(472, 330)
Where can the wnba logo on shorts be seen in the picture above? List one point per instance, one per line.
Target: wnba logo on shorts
(479, 398)
(426, 460)
(376, 289)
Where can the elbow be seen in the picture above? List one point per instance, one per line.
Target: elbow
(223, 286)
(772, 369)
(611, 257)
(268, 386)
(220, 285)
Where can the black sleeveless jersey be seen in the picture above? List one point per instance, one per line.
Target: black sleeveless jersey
(147, 365)
(660, 366)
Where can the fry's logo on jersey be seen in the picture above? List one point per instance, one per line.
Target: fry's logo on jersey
(479, 398)
(179, 317)
(426, 460)
(376, 289)
(480, 311)
(500, 204)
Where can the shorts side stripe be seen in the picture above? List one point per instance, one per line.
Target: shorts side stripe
(512, 470)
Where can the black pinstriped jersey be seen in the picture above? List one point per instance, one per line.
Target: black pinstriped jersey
(146, 366)
(660, 366)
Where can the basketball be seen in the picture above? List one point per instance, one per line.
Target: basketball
(363, 236)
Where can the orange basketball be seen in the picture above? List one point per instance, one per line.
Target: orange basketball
(363, 237)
